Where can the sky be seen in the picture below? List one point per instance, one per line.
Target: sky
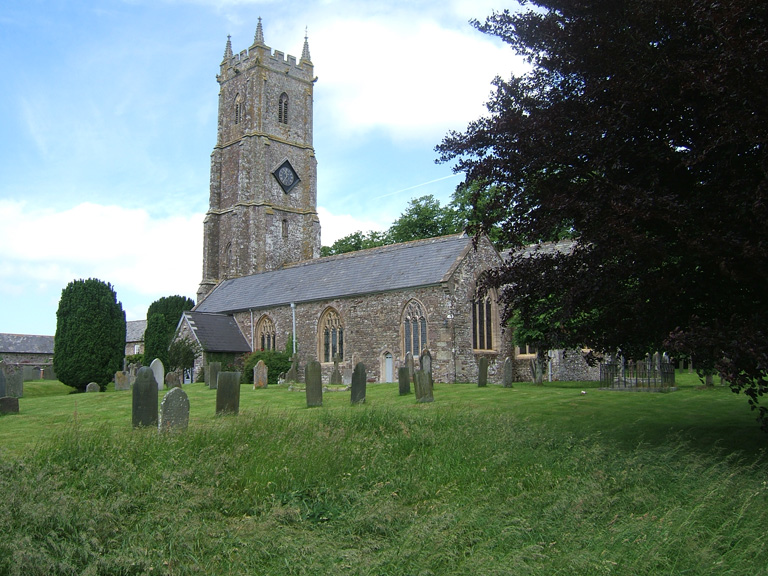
(108, 113)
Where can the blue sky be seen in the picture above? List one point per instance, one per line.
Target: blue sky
(108, 119)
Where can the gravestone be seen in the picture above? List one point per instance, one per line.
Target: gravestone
(48, 373)
(404, 380)
(425, 362)
(228, 393)
(212, 374)
(144, 410)
(314, 378)
(336, 379)
(172, 380)
(293, 372)
(159, 371)
(9, 405)
(260, 375)
(508, 375)
(121, 381)
(482, 372)
(92, 387)
(14, 381)
(174, 410)
(358, 384)
(2, 380)
(410, 365)
(423, 385)
(346, 377)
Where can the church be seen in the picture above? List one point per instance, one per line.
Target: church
(265, 286)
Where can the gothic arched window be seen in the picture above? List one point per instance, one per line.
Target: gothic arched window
(330, 333)
(483, 323)
(239, 110)
(414, 328)
(265, 334)
(282, 110)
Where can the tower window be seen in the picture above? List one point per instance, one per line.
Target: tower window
(239, 110)
(282, 110)
(285, 228)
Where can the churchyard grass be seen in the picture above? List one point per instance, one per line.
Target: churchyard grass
(528, 480)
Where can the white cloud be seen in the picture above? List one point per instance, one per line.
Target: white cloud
(335, 226)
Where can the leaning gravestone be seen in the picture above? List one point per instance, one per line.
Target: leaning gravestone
(14, 382)
(404, 380)
(92, 387)
(121, 381)
(508, 376)
(314, 379)
(425, 362)
(482, 372)
(144, 412)
(2, 380)
(358, 384)
(293, 372)
(228, 393)
(260, 375)
(159, 371)
(174, 410)
(9, 405)
(423, 386)
(212, 374)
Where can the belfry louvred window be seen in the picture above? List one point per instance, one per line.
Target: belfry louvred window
(282, 110)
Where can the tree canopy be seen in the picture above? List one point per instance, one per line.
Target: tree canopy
(162, 318)
(90, 334)
(640, 130)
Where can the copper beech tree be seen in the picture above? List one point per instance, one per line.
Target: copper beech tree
(640, 132)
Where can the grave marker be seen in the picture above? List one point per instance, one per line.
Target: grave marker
(404, 380)
(144, 410)
(358, 384)
(260, 375)
(228, 393)
(14, 381)
(508, 375)
(159, 371)
(314, 378)
(212, 374)
(93, 387)
(9, 405)
(121, 381)
(482, 372)
(174, 410)
(336, 379)
(423, 386)
(425, 361)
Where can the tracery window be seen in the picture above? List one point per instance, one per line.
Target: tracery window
(414, 328)
(282, 109)
(265, 334)
(331, 336)
(483, 323)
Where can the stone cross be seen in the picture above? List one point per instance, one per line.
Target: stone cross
(482, 372)
(159, 371)
(174, 410)
(404, 380)
(144, 410)
(293, 372)
(508, 374)
(336, 379)
(423, 386)
(314, 380)
(260, 375)
(228, 393)
(212, 374)
(358, 384)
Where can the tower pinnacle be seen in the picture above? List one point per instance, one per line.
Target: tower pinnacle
(259, 37)
(305, 52)
(228, 49)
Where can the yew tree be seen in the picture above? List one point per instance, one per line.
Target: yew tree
(640, 132)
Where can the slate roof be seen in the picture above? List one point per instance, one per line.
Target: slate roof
(217, 332)
(25, 344)
(394, 267)
(134, 330)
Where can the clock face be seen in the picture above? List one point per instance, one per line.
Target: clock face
(286, 176)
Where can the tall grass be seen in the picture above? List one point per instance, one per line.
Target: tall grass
(463, 486)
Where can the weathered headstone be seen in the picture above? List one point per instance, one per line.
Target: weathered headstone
(508, 375)
(144, 412)
(336, 379)
(14, 381)
(404, 380)
(293, 372)
(9, 405)
(260, 375)
(172, 380)
(410, 365)
(346, 377)
(2, 380)
(159, 371)
(314, 379)
(121, 381)
(358, 384)
(174, 410)
(425, 362)
(93, 387)
(212, 374)
(228, 393)
(482, 372)
(423, 387)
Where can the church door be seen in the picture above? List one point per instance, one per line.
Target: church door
(389, 371)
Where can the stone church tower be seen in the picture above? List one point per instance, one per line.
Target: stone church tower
(263, 202)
